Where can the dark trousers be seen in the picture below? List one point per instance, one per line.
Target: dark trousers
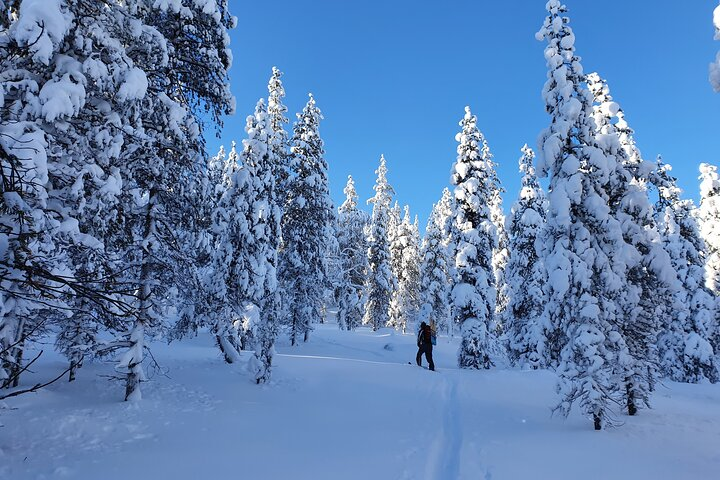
(425, 348)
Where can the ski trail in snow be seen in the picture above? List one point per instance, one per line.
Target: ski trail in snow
(444, 459)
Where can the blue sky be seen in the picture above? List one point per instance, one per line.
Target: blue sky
(394, 76)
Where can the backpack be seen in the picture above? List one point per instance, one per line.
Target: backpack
(428, 331)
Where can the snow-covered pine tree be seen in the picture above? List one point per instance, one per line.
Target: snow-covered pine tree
(715, 66)
(225, 292)
(435, 277)
(280, 142)
(182, 51)
(412, 273)
(650, 280)
(446, 221)
(209, 187)
(71, 89)
(709, 223)
(583, 243)
(306, 226)
(395, 234)
(404, 253)
(278, 167)
(410, 285)
(446, 215)
(685, 351)
(525, 328)
(473, 293)
(353, 247)
(264, 221)
(500, 253)
(380, 281)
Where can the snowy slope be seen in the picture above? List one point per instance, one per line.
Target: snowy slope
(345, 406)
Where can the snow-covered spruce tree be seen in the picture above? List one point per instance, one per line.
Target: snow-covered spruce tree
(715, 66)
(264, 221)
(583, 247)
(435, 277)
(709, 223)
(412, 261)
(256, 256)
(446, 222)
(209, 186)
(353, 247)
(182, 49)
(71, 91)
(685, 351)
(306, 226)
(404, 253)
(473, 294)
(30, 244)
(227, 279)
(650, 279)
(525, 330)
(446, 215)
(380, 281)
(280, 142)
(395, 241)
(500, 253)
(277, 166)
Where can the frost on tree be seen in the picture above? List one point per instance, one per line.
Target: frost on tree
(684, 343)
(352, 246)
(306, 227)
(651, 279)
(380, 281)
(715, 66)
(435, 274)
(582, 244)
(526, 329)
(473, 294)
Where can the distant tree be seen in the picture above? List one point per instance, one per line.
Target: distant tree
(685, 351)
(306, 226)
(404, 247)
(709, 223)
(380, 281)
(395, 239)
(500, 253)
(435, 279)
(353, 247)
(473, 294)
(525, 327)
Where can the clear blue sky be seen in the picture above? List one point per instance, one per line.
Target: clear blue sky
(393, 77)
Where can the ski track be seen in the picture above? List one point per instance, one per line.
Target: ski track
(444, 460)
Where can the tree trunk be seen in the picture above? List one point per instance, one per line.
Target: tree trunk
(632, 409)
(73, 368)
(597, 421)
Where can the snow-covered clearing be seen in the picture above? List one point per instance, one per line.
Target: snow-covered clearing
(344, 406)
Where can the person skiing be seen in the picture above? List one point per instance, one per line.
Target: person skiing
(424, 343)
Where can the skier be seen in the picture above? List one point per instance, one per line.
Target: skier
(424, 342)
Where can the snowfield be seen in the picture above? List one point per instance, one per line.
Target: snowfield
(346, 405)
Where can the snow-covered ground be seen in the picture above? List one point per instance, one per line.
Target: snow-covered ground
(344, 406)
